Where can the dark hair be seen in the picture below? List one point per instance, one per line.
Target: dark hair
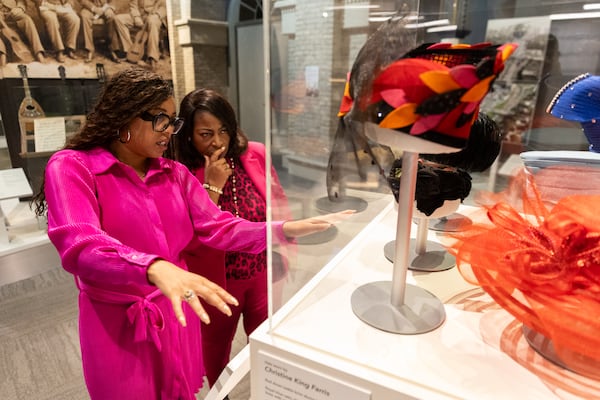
(205, 100)
(125, 96)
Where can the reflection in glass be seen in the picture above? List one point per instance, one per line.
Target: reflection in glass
(4, 155)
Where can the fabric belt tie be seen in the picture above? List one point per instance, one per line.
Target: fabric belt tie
(145, 316)
(147, 320)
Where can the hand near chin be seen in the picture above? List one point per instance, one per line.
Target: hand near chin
(217, 170)
(307, 226)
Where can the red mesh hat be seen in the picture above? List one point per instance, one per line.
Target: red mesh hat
(434, 91)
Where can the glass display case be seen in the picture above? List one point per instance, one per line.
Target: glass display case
(308, 73)
(41, 106)
(317, 345)
(284, 65)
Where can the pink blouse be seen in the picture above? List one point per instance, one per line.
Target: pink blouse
(108, 227)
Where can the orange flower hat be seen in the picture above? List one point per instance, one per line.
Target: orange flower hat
(542, 265)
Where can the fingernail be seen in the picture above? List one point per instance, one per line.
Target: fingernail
(227, 310)
(182, 321)
(204, 317)
(234, 301)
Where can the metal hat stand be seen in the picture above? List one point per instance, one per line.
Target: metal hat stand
(426, 255)
(454, 222)
(396, 306)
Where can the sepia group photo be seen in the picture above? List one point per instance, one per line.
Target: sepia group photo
(80, 34)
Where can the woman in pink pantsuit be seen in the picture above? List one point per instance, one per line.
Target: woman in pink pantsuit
(121, 217)
(233, 170)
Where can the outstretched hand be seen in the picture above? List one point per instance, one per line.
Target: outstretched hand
(307, 226)
(179, 285)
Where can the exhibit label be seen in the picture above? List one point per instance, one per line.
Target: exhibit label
(284, 380)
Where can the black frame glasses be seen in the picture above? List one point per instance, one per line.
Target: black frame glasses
(159, 121)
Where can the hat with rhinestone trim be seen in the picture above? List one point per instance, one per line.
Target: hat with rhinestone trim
(579, 101)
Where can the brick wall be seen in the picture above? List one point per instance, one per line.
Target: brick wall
(309, 122)
(309, 130)
(209, 9)
(211, 67)
(320, 39)
(177, 64)
(197, 65)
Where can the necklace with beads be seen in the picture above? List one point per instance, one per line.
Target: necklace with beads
(234, 189)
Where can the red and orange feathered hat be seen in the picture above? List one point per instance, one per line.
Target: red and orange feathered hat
(435, 90)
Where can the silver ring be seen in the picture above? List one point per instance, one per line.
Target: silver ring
(188, 295)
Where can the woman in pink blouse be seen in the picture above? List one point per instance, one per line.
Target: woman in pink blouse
(121, 217)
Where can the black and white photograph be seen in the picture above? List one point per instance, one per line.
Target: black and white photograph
(512, 104)
(82, 34)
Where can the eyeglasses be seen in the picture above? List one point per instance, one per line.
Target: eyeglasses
(161, 121)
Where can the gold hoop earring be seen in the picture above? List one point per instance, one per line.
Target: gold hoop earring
(128, 137)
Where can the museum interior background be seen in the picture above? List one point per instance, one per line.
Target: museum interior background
(219, 44)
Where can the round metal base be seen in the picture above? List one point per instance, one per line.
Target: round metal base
(452, 223)
(319, 237)
(543, 346)
(345, 203)
(435, 259)
(421, 312)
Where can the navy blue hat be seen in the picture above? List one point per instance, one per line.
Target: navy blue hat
(579, 100)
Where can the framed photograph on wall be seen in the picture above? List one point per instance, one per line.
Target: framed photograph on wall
(512, 103)
(44, 34)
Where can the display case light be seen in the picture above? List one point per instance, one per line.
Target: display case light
(445, 28)
(584, 15)
(382, 16)
(352, 7)
(378, 19)
(427, 24)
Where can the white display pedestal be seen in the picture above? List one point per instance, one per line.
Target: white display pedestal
(25, 249)
(13, 184)
(29, 251)
(317, 348)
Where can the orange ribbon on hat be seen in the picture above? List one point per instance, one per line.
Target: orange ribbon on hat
(543, 267)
